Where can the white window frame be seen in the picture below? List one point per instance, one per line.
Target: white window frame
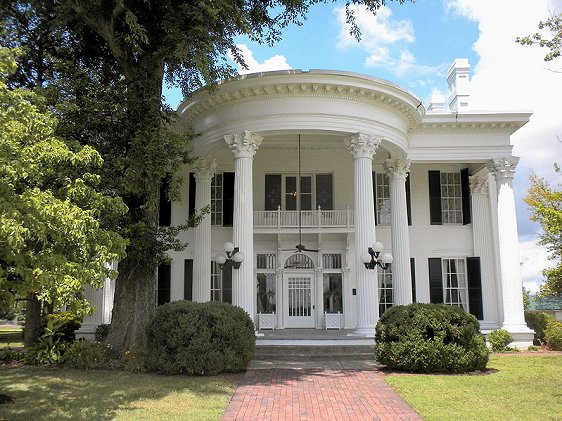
(270, 269)
(216, 282)
(336, 260)
(217, 194)
(382, 186)
(384, 278)
(456, 295)
(451, 198)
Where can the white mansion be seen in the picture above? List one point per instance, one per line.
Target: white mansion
(305, 171)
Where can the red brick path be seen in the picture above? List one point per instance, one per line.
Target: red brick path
(310, 394)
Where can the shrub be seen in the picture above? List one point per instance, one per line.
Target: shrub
(553, 335)
(537, 321)
(64, 324)
(8, 355)
(199, 338)
(499, 340)
(101, 332)
(430, 338)
(84, 355)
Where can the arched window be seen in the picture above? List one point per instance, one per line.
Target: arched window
(299, 261)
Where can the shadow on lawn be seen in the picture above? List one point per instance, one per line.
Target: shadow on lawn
(58, 394)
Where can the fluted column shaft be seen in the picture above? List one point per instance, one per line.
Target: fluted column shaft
(202, 236)
(512, 295)
(483, 247)
(244, 146)
(363, 147)
(401, 276)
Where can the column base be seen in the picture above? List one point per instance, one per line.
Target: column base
(364, 331)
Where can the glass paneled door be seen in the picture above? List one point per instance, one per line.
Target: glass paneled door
(298, 288)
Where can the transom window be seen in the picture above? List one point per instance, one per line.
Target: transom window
(386, 296)
(451, 198)
(454, 283)
(216, 199)
(382, 186)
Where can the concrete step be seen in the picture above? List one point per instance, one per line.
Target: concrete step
(314, 352)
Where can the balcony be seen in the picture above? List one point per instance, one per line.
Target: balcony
(311, 220)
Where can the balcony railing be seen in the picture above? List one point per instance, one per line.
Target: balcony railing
(309, 219)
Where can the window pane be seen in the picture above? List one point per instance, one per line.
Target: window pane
(324, 196)
(272, 191)
(333, 297)
(291, 193)
(266, 292)
(386, 299)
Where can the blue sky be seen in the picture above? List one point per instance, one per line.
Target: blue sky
(413, 45)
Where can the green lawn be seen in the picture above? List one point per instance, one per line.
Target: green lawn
(523, 388)
(65, 394)
(10, 337)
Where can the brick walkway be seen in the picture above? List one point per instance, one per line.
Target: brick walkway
(313, 394)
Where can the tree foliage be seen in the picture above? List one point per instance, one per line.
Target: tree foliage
(545, 203)
(55, 234)
(550, 37)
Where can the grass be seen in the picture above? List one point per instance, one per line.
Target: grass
(65, 394)
(10, 337)
(523, 388)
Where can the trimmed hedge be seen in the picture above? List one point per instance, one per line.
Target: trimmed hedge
(199, 338)
(430, 338)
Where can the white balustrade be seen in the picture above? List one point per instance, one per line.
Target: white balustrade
(309, 219)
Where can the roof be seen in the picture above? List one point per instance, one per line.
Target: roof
(553, 302)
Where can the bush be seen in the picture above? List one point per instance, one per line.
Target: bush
(84, 355)
(101, 332)
(8, 355)
(499, 340)
(64, 324)
(430, 338)
(199, 338)
(537, 321)
(553, 335)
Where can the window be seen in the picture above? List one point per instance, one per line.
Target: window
(163, 285)
(382, 199)
(451, 198)
(286, 192)
(221, 283)
(386, 297)
(266, 276)
(216, 199)
(454, 283)
(333, 283)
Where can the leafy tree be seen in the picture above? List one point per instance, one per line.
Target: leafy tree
(545, 203)
(139, 45)
(551, 40)
(54, 235)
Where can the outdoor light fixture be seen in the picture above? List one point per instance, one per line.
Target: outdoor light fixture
(372, 259)
(232, 256)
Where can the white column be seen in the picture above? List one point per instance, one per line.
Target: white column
(244, 146)
(401, 275)
(512, 296)
(362, 147)
(204, 171)
(484, 247)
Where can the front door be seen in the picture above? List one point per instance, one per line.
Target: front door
(298, 293)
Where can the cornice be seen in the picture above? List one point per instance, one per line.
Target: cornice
(466, 127)
(234, 95)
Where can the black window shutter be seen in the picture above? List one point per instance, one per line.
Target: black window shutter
(228, 199)
(413, 273)
(165, 209)
(191, 199)
(227, 285)
(272, 191)
(163, 292)
(324, 191)
(465, 190)
(435, 198)
(188, 279)
(375, 196)
(408, 200)
(435, 281)
(474, 287)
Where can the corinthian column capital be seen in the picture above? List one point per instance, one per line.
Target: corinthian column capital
(243, 145)
(397, 168)
(504, 167)
(478, 184)
(204, 169)
(362, 145)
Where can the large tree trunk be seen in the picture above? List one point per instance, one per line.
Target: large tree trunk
(133, 305)
(32, 321)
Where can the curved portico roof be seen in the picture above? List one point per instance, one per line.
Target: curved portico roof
(289, 101)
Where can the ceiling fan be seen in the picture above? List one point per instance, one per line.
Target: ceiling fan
(300, 247)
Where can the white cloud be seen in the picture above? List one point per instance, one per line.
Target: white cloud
(383, 40)
(509, 76)
(277, 62)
